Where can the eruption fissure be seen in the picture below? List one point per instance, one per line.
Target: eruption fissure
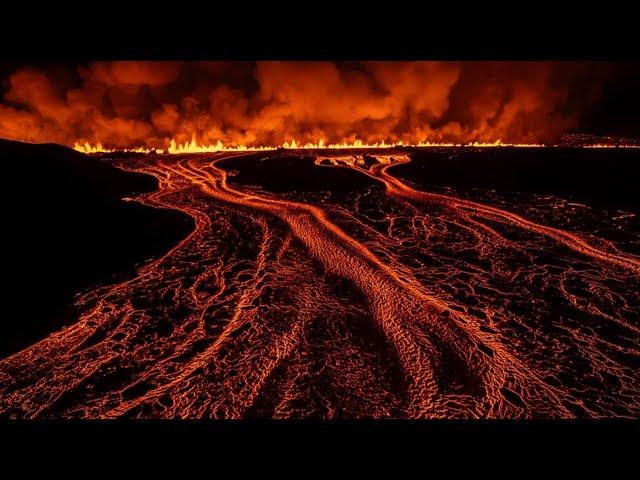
(186, 107)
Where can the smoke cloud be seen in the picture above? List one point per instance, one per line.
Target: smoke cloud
(146, 104)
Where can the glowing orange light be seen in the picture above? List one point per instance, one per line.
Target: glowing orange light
(605, 145)
(195, 147)
(86, 147)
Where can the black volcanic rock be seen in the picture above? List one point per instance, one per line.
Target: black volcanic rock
(67, 229)
(602, 178)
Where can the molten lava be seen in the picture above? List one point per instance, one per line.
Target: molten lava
(378, 300)
(191, 107)
(194, 147)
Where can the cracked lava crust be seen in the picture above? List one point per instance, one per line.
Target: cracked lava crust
(340, 289)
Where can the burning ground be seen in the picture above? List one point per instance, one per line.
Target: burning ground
(252, 104)
(343, 284)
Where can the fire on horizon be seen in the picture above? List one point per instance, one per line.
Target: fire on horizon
(194, 147)
(330, 273)
(175, 106)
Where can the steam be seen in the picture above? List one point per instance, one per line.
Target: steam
(147, 104)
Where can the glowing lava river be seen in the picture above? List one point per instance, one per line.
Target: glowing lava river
(329, 286)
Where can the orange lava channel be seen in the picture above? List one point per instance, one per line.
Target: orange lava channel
(286, 306)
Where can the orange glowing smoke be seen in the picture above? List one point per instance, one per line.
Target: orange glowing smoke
(213, 106)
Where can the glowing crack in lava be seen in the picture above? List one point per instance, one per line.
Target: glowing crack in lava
(377, 300)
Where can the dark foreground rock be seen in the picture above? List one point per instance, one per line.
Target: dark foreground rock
(66, 229)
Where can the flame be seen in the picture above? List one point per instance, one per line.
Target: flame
(607, 145)
(194, 147)
(86, 147)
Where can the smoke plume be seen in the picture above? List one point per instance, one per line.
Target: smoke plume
(147, 104)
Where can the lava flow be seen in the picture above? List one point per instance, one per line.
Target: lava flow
(346, 293)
